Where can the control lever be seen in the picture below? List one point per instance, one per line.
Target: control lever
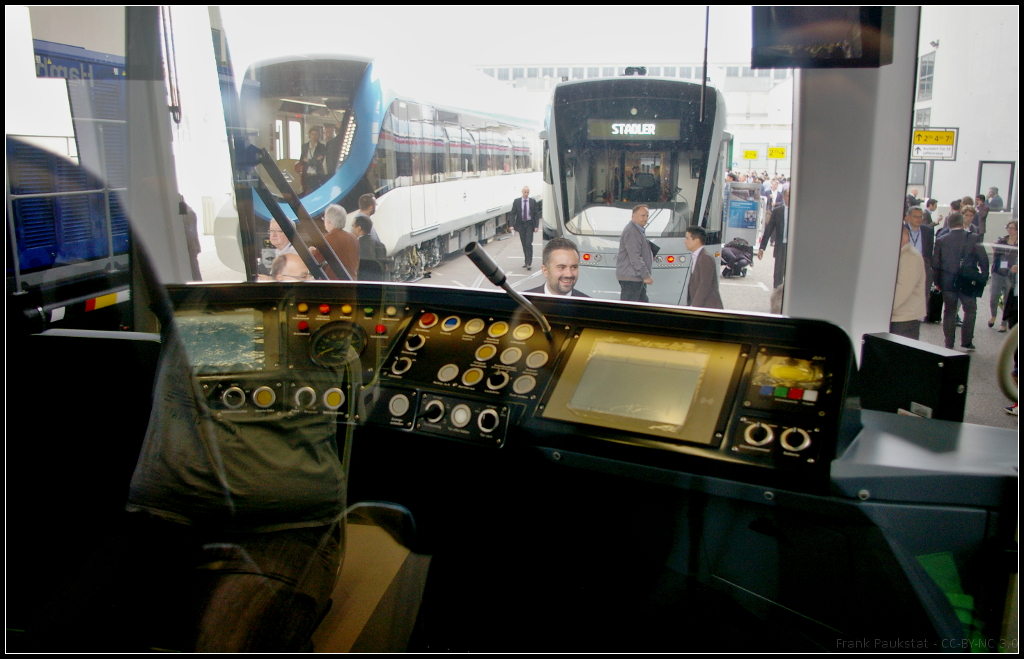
(496, 275)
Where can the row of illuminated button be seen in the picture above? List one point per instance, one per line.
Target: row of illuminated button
(434, 411)
(263, 397)
(345, 309)
(473, 376)
(792, 439)
(809, 395)
(476, 325)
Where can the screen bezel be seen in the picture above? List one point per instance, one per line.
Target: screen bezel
(702, 425)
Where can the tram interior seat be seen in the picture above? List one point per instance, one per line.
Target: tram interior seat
(644, 188)
(371, 270)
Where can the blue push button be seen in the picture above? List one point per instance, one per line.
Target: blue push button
(767, 390)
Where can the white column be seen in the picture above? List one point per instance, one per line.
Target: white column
(851, 138)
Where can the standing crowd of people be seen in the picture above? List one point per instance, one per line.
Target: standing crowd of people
(944, 264)
(356, 245)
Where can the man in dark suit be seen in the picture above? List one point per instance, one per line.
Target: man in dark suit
(372, 253)
(560, 267)
(922, 238)
(526, 221)
(778, 228)
(702, 291)
(950, 249)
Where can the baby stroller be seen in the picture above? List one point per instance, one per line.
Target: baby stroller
(737, 256)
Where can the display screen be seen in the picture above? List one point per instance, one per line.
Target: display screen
(632, 129)
(652, 384)
(646, 384)
(224, 341)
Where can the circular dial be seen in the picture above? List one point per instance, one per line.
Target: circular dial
(795, 439)
(305, 397)
(488, 420)
(433, 411)
(758, 434)
(233, 398)
(329, 345)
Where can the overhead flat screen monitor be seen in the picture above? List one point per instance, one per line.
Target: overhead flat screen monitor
(223, 341)
(822, 37)
(632, 130)
(665, 387)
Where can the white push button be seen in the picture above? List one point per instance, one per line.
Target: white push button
(537, 359)
(399, 405)
(524, 384)
(461, 415)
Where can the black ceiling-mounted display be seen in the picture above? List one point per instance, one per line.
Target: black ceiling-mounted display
(822, 37)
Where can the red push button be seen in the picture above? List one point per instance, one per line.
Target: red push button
(428, 320)
(381, 329)
(303, 326)
(795, 394)
(325, 309)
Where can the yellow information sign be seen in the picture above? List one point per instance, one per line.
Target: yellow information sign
(776, 153)
(750, 155)
(934, 144)
(943, 137)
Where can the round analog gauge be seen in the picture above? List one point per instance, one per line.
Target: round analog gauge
(329, 345)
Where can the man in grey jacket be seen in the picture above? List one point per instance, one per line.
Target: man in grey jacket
(633, 266)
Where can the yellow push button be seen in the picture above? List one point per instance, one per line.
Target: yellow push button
(346, 309)
(333, 398)
(302, 307)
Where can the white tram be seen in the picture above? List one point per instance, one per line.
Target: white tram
(618, 142)
(444, 155)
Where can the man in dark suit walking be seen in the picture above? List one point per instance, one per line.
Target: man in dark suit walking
(702, 290)
(956, 246)
(526, 221)
(778, 228)
(560, 267)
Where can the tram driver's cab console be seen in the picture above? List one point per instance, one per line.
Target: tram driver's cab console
(642, 468)
(760, 399)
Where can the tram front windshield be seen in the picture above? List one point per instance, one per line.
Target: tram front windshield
(604, 184)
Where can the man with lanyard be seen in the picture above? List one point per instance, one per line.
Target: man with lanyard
(922, 238)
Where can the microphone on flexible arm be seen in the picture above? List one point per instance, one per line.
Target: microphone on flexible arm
(496, 275)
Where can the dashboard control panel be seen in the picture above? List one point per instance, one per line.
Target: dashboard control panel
(758, 398)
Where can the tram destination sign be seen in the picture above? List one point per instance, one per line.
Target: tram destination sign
(934, 143)
(633, 130)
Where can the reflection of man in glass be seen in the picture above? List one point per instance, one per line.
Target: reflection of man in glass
(289, 267)
(635, 259)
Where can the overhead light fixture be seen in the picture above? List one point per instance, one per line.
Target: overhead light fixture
(292, 100)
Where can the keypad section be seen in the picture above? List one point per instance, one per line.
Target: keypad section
(246, 397)
(776, 441)
(783, 380)
(494, 358)
(481, 422)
